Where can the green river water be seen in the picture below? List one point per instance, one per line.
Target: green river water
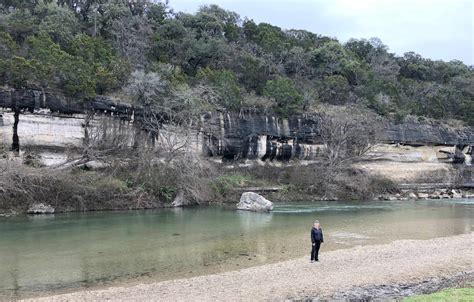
(42, 255)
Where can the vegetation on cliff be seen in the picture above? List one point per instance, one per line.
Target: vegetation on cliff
(215, 60)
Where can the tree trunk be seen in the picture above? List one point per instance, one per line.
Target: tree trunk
(16, 139)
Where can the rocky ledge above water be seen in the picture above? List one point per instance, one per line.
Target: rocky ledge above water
(428, 194)
(239, 136)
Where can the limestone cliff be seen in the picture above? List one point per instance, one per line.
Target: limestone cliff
(50, 124)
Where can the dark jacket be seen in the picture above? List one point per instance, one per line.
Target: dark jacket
(316, 235)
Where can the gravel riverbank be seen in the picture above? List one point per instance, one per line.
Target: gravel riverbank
(400, 262)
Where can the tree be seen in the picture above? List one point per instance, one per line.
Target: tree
(252, 72)
(107, 70)
(354, 72)
(285, 95)
(347, 134)
(336, 90)
(82, 8)
(22, 73)
(157, 13)
(250, 30)
(216, 22)
(166, 41)
(304, 39)
(206, 52)
(19, 24)
(226, 86)
(328, 59)
(8, 47)
(332, 59)
(23, 4)
(147, 88)
(59, 22)
(81, 48)
(361, 48)
(272, 39)
(413, 66)
(384, 67)
(199, 50)
(169, 113)
(89, 68)
(297, 62)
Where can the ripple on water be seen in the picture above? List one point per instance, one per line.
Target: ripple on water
(295, 209)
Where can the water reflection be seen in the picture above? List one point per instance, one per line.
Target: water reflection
(251, 220)
(68, 251)
(35, 218)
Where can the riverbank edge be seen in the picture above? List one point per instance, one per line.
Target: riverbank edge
(408, 196)
(453, 268)
(274, 197)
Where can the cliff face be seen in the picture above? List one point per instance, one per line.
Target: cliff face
(31, 100)
(257, 136)
(50, 122)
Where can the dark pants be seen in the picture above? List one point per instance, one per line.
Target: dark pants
(315, 250)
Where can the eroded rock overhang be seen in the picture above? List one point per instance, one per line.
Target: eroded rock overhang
(50, 121)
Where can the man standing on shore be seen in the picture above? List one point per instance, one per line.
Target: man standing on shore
(316, 240)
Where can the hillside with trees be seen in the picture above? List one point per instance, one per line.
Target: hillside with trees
(144, 52)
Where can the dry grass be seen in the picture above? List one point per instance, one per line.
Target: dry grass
(319, 181)
(77, 190)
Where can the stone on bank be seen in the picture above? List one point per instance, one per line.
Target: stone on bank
(250, 201)
(40, 208)
(180, 200)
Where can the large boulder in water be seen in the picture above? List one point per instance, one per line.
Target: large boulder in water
(40, 208)
(251, 201)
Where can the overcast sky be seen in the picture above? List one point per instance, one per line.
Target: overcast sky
(437, 29)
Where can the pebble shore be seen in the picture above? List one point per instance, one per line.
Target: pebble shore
(340, 271)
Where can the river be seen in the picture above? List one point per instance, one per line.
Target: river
(42, 255)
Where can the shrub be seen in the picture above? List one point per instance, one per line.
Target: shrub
(343, 183)
(167, 193)
(32, 158)
(78, 190)
(223, 184)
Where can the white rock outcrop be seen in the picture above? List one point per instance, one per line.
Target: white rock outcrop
(179, 200)
(412, 196)
(251, 201)
(423, 196)
(40, 208)
(456, 194)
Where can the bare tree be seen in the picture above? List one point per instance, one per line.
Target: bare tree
(347, 134)
(171, 120)
(107, 141)
(106, 138)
